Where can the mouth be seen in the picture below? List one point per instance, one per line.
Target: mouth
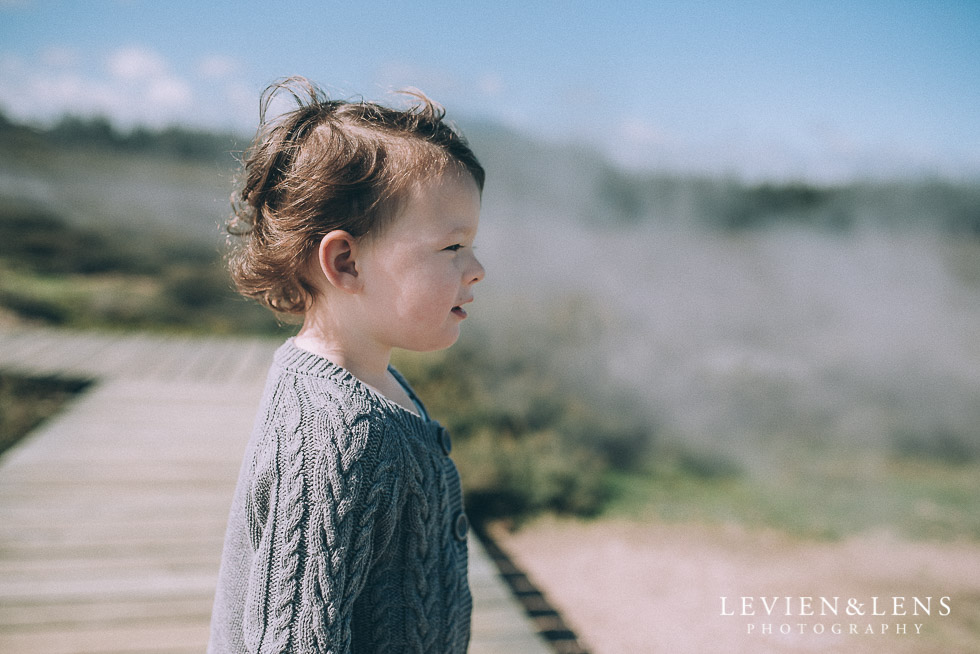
(459, 312)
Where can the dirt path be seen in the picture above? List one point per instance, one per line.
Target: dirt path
(628, 588)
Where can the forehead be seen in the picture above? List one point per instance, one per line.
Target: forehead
(449, 203)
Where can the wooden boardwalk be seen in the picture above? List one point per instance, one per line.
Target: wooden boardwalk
(112, 514)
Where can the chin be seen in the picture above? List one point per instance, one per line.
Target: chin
(447, 344)
(447, 340)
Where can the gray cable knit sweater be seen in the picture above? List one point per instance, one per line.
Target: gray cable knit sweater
(347, 531)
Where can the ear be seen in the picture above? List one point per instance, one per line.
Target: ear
(337, 256)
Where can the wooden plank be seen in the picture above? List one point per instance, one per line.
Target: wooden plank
(252, 360)
(183, 355)
(500, 625)
(180, 637)
(75, 566)
(120, 502)
(148, 584)
(215, 362)
(101, 611)
(130, 356)
(53, 353)
(44, 551)
(74, 357)
(19, 354)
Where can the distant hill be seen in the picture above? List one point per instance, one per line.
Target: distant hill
(99, 133)
(179, 179)
(174, 181)
(530, 180)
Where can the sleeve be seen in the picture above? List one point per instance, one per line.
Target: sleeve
(321, 527)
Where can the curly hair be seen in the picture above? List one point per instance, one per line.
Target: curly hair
(329, 165)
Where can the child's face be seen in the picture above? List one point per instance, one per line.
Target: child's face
(420, 271)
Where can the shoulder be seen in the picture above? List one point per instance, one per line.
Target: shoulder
(318, 394)
(313, 403)
(324, 442)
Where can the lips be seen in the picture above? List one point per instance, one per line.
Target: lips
(458, 310)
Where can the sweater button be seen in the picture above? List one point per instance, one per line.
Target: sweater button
(462, 526)
(445, 441)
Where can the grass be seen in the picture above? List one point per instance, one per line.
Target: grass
(189, 299)
(812, 494)
(55, 272)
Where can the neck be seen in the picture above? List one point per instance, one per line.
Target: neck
(324, 337)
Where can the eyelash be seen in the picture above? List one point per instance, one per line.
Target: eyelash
(454, 248)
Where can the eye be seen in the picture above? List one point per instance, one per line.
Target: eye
(454, 248)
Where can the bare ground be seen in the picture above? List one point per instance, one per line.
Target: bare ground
(628, 587)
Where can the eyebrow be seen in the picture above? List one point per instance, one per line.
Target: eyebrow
(460, 230)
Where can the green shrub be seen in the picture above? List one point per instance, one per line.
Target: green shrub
(527, 438)
(942, 443)
(34, 308)
(517, 476)
(55, 272)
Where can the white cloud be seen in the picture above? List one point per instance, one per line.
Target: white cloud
(217, 67)
(150, 91)
(642, 132)
(134, 64)
(826, 155)
(133, 85)
(170, 93)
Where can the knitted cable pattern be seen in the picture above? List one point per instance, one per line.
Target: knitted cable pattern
(341, 535)
(448, 575)
(380, 602)
(276, 522)
(330, 582)
(291, 490)
(420, 597)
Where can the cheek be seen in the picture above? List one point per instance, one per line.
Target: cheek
(436, 281)
(422, 289)
(423, 294)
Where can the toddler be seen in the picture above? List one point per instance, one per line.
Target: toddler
(347, 531)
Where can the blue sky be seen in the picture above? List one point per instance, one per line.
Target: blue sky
(822, 89)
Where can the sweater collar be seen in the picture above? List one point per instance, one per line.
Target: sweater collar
(295, 359)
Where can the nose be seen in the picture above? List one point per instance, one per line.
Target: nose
(476, 271)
